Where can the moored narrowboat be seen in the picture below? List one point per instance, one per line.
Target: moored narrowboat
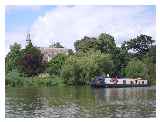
(118, 82)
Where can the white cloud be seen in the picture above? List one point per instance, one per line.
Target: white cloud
(68, 24)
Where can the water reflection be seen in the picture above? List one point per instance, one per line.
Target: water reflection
(80, 102)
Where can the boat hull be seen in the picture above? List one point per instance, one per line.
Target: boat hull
(119, 85)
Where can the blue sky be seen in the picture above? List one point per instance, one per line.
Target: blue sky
(69, 23)
(24, 16)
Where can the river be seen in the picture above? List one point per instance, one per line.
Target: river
(82, 101)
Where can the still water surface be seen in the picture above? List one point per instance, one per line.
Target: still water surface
(81, 102)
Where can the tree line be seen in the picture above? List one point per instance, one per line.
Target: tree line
(93, 56)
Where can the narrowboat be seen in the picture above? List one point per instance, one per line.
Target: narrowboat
(101, 81)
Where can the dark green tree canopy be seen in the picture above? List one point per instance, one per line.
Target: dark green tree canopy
(55, 64)
(56, 45)
(83, 67)
(139, 45)
(12, 57)
(85, 44)
(136, 68)
(105, 43)
(31, 62)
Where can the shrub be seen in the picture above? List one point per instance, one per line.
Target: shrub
(83, 67)
(136, 68)
(47, 81)
(55, 65)
(14, 78)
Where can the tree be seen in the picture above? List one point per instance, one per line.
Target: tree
(81, 68)
(106, 43)
(12, 57)
(55, 64)
(136, 68)
(85, 44)
(152, 54)
(70, 52)
(56, 45)
(139, 45)
(151, 69)
(31, 62)
(120, 59)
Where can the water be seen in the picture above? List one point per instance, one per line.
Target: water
(80, 102)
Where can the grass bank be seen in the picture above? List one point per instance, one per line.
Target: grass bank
(15, 78)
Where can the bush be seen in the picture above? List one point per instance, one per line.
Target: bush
(83, 67)
(14, 78)
(31, 61)
(151, 70)
(135, 69)
(47, 81)
(55, 65)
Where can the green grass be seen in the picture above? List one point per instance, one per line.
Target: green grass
(17, 79)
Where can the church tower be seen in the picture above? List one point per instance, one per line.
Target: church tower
(28, 39)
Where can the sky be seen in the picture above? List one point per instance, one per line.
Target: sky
(66, 24)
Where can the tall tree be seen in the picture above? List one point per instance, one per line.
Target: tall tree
(55, 64)
(136, 68)
(82, 68)
(106, 43)
(31, 62)
(120, 58)
(139, 45)
(85, 44)
(12, 57)
(56, 45)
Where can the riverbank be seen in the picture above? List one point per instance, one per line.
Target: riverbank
(15, 79)
(92, 57)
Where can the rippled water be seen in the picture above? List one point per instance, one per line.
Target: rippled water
(81, 102)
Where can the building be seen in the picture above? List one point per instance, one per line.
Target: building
(49, 53)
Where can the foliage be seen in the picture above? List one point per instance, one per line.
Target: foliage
(152, 54)
(55, 65)
(120, 59)
(140, 45)
(82, 67)
(92, 57)
(47, 81)
(14, 78)
(70, 52)
(151, 69)
(12, 57)
(85, 44)
(135, 69)
(106, 43)
(31, 62)
(56, 45)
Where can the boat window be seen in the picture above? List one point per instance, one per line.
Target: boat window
(124, 81)
(131, 82)
(136, 81)
(142, 82)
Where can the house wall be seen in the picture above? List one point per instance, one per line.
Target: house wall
(49, 53)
